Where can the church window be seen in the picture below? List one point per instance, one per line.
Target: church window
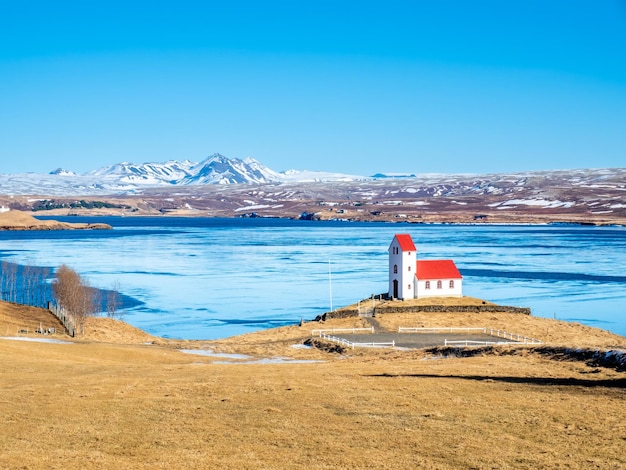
(439, 285)
(427, 285)
(409, 268)
(395, 269)
(451, 284)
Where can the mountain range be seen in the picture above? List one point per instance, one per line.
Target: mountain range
(216, 169)
(224, 187)
(127, 177)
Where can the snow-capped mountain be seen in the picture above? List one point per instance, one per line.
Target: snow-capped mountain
(62, 172)
(218, 169)
(170, 172)
(129, 177)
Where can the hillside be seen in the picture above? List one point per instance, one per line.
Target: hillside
(122, 399)
(279, 341)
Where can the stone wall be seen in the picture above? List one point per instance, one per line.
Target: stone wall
(345, 313)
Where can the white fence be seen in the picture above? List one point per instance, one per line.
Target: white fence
(410, 329)
(467, 342)
(342, 330)
(66, 320)
(511, 337)
(353, 345)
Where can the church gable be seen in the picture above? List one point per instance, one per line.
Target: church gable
(404, 242)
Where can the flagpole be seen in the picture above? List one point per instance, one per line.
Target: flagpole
(330, 286)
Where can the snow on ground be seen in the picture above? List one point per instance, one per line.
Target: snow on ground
(252, 208)
(210, 353)
(36, 340)
(532, 202)
(244, 359)
(303, 176)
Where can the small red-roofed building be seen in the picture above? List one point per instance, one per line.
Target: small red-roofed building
(413, 279)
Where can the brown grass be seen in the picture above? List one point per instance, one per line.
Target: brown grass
(18, 220)
(118, 405)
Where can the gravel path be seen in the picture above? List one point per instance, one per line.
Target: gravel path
(418, 340)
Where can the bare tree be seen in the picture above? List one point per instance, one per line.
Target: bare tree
(24, 284)
(4, 281)
(42, 288)
(74, 295)
(28, 280)
(9, 281)
(114, 301)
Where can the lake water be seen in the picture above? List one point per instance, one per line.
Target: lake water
(203, 278)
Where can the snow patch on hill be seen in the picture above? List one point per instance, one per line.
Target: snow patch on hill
(532, 202)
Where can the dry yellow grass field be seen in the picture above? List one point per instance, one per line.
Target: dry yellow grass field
(119, 398)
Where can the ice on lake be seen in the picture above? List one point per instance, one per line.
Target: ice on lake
(212, 278)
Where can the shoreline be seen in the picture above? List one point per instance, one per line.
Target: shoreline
(574, 223)
(430, 313)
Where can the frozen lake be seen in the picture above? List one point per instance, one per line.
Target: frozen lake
(202, 278)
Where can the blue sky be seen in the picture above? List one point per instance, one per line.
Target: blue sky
(354, 87)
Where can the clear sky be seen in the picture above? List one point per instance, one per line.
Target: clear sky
(348, 86)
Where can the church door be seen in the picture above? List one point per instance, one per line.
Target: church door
(395, 288)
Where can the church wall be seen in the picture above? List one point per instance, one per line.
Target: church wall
(445, 290)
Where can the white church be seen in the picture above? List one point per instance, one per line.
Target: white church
(410, 278)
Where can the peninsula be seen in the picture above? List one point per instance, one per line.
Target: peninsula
(18, 220)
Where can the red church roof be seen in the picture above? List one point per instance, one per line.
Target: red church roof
(437, 269)
(405, 241)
